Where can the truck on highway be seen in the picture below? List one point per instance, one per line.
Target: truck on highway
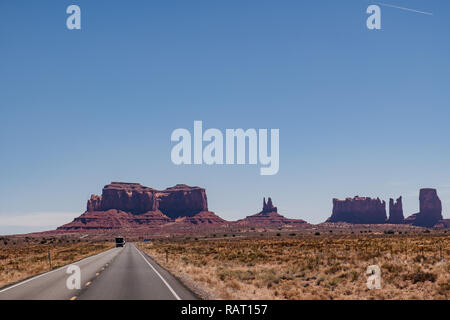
(120, 242)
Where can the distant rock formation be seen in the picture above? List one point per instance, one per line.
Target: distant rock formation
(359, 210)
(131, 205)
(182, 201)
(128, 197)
(269, 217)
(268, 207)
(178, 201)
(430, 210)
(134, 208)
(395, 211)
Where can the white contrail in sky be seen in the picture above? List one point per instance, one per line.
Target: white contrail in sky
(403, 8)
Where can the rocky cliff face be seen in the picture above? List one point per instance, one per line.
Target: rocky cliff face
(178, 201)
(182, 201)
(131, 205)
(395, 211)
(359, 210)
(128, 197)
(269, 217)
(430, 210)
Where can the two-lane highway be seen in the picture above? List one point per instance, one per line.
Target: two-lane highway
(117, 274)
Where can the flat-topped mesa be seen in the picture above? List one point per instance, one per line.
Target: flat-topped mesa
(174, 202)
(268, 207)
(395, 211)
(128, 197)
(430, 210)
(359, 210)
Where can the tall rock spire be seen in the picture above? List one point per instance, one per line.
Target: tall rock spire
(268, 207)
(395, 211)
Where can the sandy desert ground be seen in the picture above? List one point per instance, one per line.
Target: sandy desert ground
(315, 266)
(23, 257)
(288, 264)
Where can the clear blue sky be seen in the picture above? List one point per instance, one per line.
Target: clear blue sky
(360, 112)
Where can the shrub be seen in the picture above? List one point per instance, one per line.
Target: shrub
(421, 276)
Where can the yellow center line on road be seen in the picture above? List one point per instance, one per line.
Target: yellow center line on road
(88, 283)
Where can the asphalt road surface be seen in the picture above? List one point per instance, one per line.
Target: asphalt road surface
(116, 274)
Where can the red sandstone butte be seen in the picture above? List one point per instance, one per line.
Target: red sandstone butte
(131, 205)
(174, 202)
(430, 210)
(359, 210)
(269, 217)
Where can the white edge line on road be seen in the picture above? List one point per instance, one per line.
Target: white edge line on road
(48, 272)
(165, 282)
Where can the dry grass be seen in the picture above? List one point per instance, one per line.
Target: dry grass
(313, 267)
(21, 258)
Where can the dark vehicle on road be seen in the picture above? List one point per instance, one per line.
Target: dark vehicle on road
(120, 242)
